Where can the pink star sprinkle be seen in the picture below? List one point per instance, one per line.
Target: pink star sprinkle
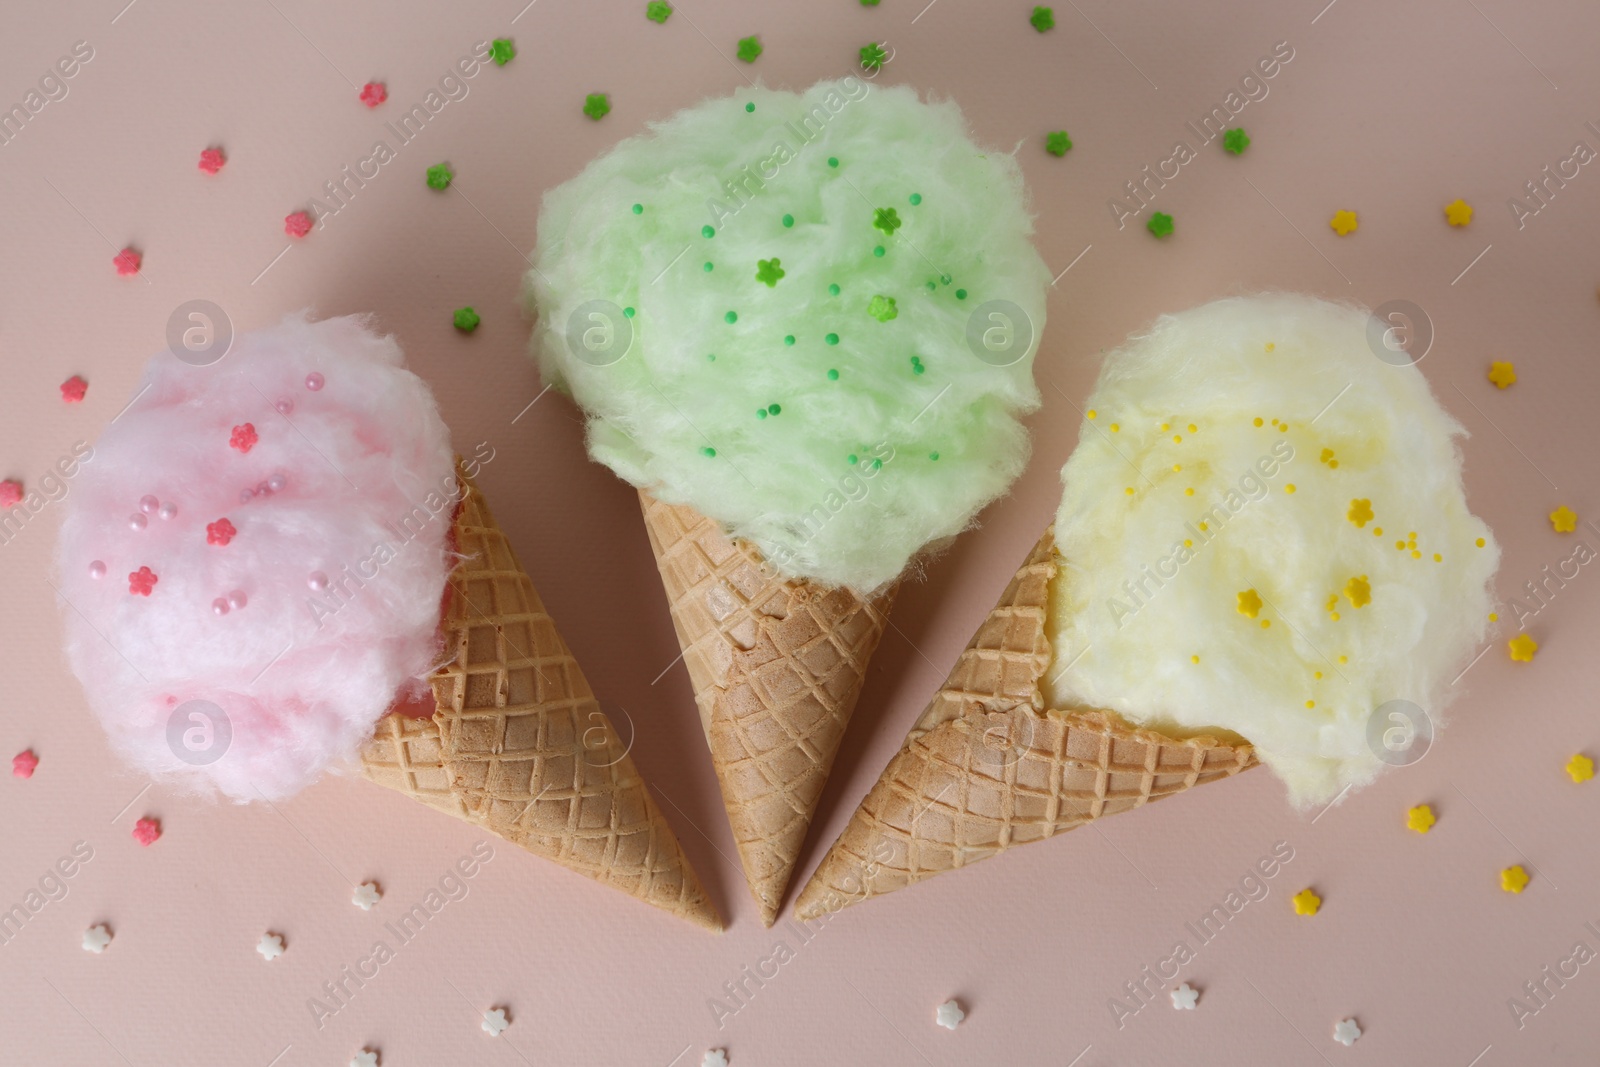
(10, 493)
(73, 388)
(23, 763)
(374, 93)
(211, 160)
(297, 225)
(127, 262)
(146, 830)
(219, 532)
(244, 437)
(142, 581)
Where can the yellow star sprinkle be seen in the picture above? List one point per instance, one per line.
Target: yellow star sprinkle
(1514, 879)
(1249, 603)
(1306, 902)
(1502, 374)
(1420, 819)
(1359, 590)
(1343, 222)
(1580, 768)
(1523, 646)
(1360, 512)
(1459, 212)
(1564, 519)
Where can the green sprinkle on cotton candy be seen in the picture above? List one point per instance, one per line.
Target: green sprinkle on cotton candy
(898, 371)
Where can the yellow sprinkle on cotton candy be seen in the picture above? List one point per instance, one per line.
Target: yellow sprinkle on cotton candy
(1420, 819)
(1358, 591)
(1360, 513)
(1249, 603)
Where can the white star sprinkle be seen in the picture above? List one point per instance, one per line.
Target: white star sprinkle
(495, 1021)
(714, 1058)
(949, 1015)
(1185, 997)
(1346, 1031)
(96, 938)
(365, 1058)
(270, 946)
(366, 896)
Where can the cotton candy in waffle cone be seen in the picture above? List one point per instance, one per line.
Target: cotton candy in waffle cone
(776, 664)
(988, 766)
(516, 742)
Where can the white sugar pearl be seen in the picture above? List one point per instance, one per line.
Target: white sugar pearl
(236, 599)
(220, 606)
(97, 570)
(317, 581)
(168, 510)
(137, 521)
(148, 504)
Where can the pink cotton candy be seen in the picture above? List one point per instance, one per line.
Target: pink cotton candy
(257, 697)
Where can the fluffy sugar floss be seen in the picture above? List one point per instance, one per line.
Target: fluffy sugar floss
(1264, 533)
(254, 556)
(812, 317)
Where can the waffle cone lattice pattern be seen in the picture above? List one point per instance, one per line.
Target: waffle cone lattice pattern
(776, 665)
(987, 766)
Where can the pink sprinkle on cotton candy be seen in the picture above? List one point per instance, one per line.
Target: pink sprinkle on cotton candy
(211, 160)
(297, 224)
(127, 262)
(374, 93)
(146, 830)
(218, 667)
(10, 493)
(24, 763)
(73, 389)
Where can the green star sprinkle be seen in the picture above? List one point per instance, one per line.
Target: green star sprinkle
(872, 58)
(439, 176)
(1160, 224)
(1057, 143)
(1043, 19)
(749, 49)
(768, 271)
(886, 219)
(788, 221)
(502, 51)
(597, 106)
(657, 11)
(466, 320)
(882, 308)
(1236, 140)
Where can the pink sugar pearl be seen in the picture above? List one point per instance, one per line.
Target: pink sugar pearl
(314, 381)
(97, 570)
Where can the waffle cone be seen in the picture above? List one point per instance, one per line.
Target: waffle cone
(776, 665)
(988, 767)
(516, 742)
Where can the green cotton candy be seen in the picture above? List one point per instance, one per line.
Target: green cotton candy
(875, 301)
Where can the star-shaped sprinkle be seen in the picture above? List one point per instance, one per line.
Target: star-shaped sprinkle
(1345, 1031)
(886, 219)
(495, 1022)
(297, 224)
(1522, 648)
(1306, 902)
(24, 763)
(365, 1058)
(10, 493)
(142, 581)
(127, 262)
(466, 319)
(1042, 19)
(597, 106)
(1235, 140)
(1564, 519)
(1358, 591)
(882, 308)
(96, 938)
(872, 57)
(749, 48)
(1580, 768)
(1057, 143)
(1185, 997)
(146, 831)
(1514, 879)
(1360, 512)
(243, 437)
(715, 1057)
(1420, 819)
(73, 388)
(502, 51)
(1249, 603)
(439, 176)
(1458, 212)
(219, 532)
(657, 11)
(1503, 374)
(211, 160)
(374, 93)
(768, 271)
(270, 946)
(1343, 222)
(949, 1015)
(1160, 224)
(366, 896)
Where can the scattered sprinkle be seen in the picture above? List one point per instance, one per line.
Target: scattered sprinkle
(882, 308)
(1249, 603)
(717, 1057)
(1358, 591)
(833, 290)
(1459, 212)
(750, 107)
(597, 106)
(374, 93)
(749, 48)
(1185, 997)
(1564, 519)
(1580, 768)
(466, 319)
(127, 262)
(502, 51)
(1042, 19)
(878, 250)
(1345, 1031)
(10, 493)
(731, 317)
(495, 1021)
(915, 199)
(147, 830)
(657, 11)
(707, 267)
(708, 232)
(934, 456)
(708, 451)
(886, 219)
(788, 221)
(1502, 374)
(1343, 222)
(768, 271)
(638, 209)
(949, 1015)
(1289, 488)
(365, 1058)
(1360, 512)
(73, 388)
(1420, 819)
(96, 938)
(1306, 902)
(24, 763)
(1514, 879)
(1160, 224)
(833, 161)
(788, 338)
(872, 58)
(243, 437)
(142, 581)
(366, 896)
(439, 176)
(270, 946)
(297, 224)
(1522, 647)
(211, 160)
(1057, 143)
(220, 532)
(833, 339)
(1235, 140)
(833, 376)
